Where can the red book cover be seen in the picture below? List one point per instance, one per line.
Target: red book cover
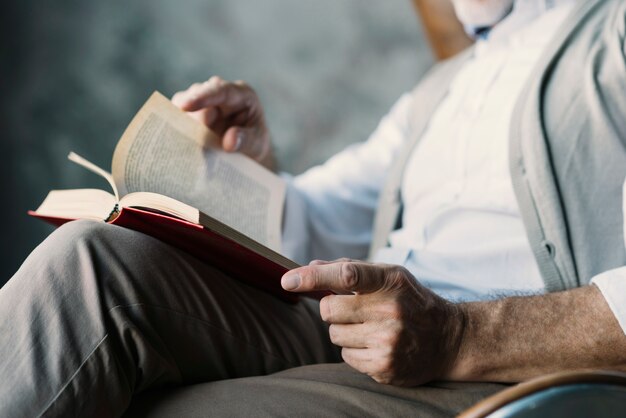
(217, 250)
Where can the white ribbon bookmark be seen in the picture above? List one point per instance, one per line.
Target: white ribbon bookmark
(94, 169)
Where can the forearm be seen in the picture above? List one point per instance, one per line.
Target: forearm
(514, 339)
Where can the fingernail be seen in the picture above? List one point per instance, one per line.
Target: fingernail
(290, 282)
(239, 141)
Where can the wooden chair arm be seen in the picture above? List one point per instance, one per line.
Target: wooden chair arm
(443, 30)
(514, 393)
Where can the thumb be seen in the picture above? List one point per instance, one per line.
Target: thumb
(248, 141)
(338, 277)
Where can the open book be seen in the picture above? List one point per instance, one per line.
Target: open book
(170, 180)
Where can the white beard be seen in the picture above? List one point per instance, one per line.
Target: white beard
(481, 12)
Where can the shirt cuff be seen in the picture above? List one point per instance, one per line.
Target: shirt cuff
(295, 233)
(612, 284)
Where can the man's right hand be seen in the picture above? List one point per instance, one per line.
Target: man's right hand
(232, 110)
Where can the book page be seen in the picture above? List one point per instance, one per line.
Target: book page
(158, 202)
(93, 204)
(165, 151)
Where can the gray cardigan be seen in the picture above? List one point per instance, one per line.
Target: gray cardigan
(567, 147)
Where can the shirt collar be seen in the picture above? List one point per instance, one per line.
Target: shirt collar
(522, 12)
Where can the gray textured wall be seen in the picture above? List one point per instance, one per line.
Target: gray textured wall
(73, 72)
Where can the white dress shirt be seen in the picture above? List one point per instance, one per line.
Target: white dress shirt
(612, 283)
(462, 234)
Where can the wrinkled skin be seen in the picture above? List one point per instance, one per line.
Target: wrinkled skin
(232, 110)
(389, 326)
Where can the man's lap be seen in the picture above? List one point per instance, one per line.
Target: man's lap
(154, 315)
(172, 323)
(316, 390)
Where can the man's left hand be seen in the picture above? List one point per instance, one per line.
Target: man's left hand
(389, 326)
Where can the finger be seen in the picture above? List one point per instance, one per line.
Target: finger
(342, 276)
(216, 92)
(207, 116)
(246, 141)
(319, 262)
(322, 262)
(187, 99)
(350, 335)
(181, 97)
(342, 309)
(362, 359)
(373, 362)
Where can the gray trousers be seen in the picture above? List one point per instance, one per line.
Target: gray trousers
(102, 321)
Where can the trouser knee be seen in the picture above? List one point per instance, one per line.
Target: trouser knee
(80, 254)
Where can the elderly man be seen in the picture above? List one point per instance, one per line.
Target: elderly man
(489, 199)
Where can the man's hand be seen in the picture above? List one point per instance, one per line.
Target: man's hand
(233, 111)
(399, 332)
(388, 325)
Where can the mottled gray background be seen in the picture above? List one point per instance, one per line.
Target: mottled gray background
(73, 72)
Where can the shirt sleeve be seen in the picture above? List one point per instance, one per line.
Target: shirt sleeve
(612, 283)
(329, 209)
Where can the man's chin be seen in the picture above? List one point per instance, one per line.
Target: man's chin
(482, 13)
